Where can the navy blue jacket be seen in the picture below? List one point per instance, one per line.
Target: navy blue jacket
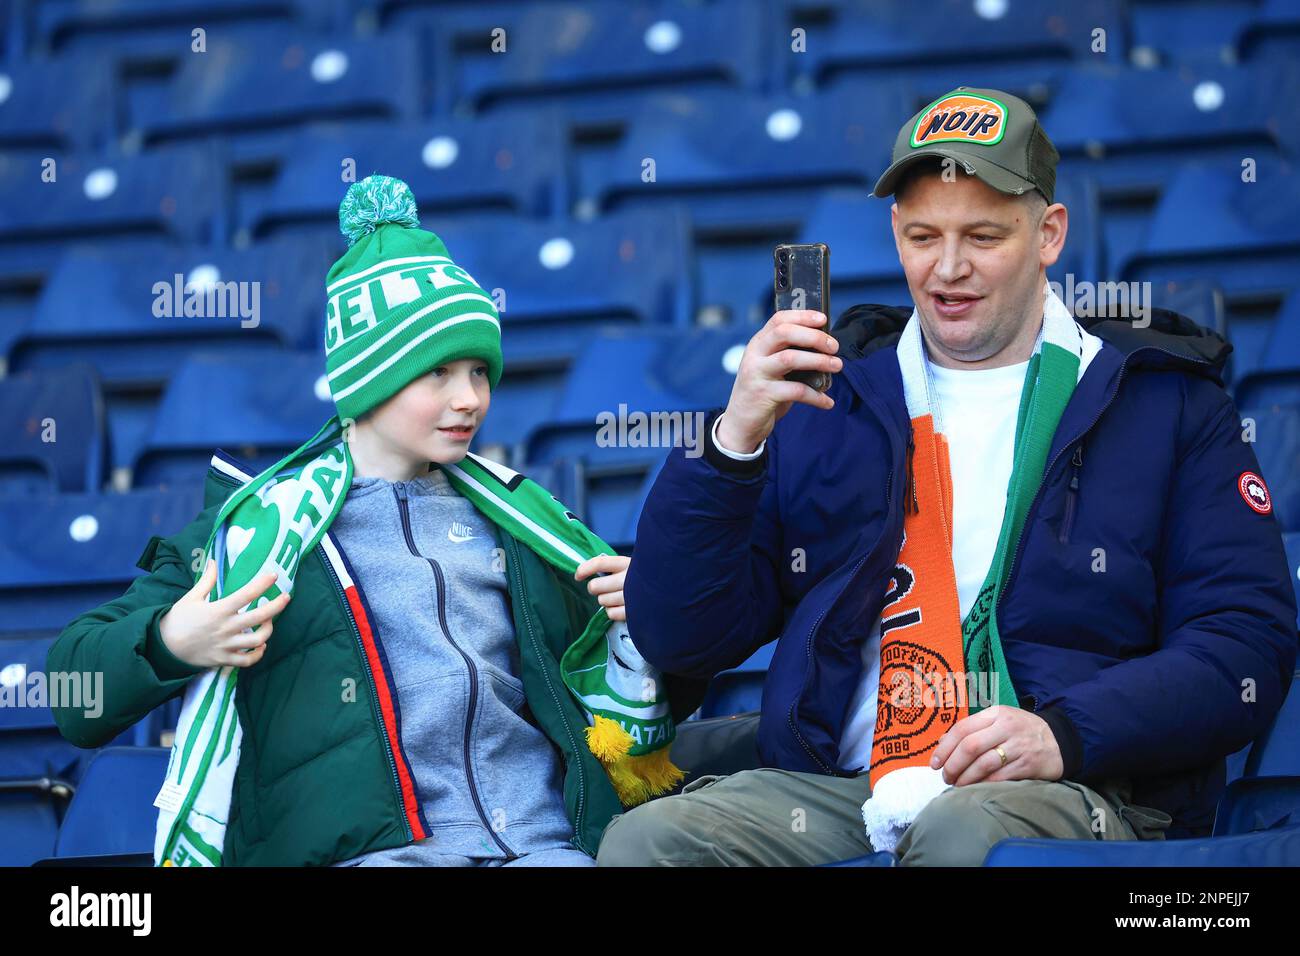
(1177, 654)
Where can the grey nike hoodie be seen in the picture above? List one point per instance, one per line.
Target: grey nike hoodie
(488, 780)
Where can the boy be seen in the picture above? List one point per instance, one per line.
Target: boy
(441, 689)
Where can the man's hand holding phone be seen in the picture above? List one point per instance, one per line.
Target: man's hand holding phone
(792, 339)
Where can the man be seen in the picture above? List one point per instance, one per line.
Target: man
(1024, 578)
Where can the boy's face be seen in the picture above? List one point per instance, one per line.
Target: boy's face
(974, 259)
(434, 417)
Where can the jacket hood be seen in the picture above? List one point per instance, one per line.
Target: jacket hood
(1177, 340)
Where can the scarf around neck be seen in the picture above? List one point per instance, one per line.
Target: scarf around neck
(270, 522)
(935, 667)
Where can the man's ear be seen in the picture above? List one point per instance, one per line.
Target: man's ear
(893, 224)
(1052, 232)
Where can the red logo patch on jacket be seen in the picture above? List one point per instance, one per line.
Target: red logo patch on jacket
(1254, 492)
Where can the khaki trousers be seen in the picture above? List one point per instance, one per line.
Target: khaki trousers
(769, 817)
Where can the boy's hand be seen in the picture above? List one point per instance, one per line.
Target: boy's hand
(608, 587)
(206, 633)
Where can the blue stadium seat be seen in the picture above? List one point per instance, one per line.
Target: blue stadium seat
(1271, 34)
(1279, 847)
(552, 306)
(512, 163)
(1274, 376)
(136, 27)
(1186, 33)
(1254, 804)
(747, 170)
(29, 824)
(31, 747)
(598, 59)
(875, 37)
(38, 768)
(51, 431)
(61, 104)
(260, 299)
(271, 404)
(1276, 753)
(660, 371)
(741, 162)
(739, 690)
(864, 262)
(171, 193)
(523, 400)
(561, 278)
(64, 554)
(1199, 300)
(112, 812)
(136, 349)
(24, 270)
(1235, 763)
(277, 78)
(1102, 121)
(1211, 225)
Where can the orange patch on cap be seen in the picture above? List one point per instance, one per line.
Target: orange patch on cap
(961, 118)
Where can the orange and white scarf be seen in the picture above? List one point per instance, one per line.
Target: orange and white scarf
(935, 668)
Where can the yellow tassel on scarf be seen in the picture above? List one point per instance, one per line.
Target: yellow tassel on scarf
(635, 778)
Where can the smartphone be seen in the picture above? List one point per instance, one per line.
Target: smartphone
(802, 277)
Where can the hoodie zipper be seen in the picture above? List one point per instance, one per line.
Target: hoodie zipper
(400, 490)
(1071, 495)
(1033, 506)
(517, 575)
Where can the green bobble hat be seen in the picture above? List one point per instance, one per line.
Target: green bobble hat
(397, 306)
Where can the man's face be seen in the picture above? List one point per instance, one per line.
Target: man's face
(419, 422)
(975, 262)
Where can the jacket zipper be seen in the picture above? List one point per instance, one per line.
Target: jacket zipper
(1071, 495)
(517, 576)
(469, 663)
(910, 504)
(794, 729)
(374, 694)
(1033, 506)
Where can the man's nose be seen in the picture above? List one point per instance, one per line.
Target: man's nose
(953, 264)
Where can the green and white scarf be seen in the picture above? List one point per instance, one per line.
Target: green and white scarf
(273, 520)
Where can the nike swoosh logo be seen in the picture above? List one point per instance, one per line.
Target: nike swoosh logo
(459, 539)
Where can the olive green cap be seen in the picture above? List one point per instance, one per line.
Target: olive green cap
(993, 135)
